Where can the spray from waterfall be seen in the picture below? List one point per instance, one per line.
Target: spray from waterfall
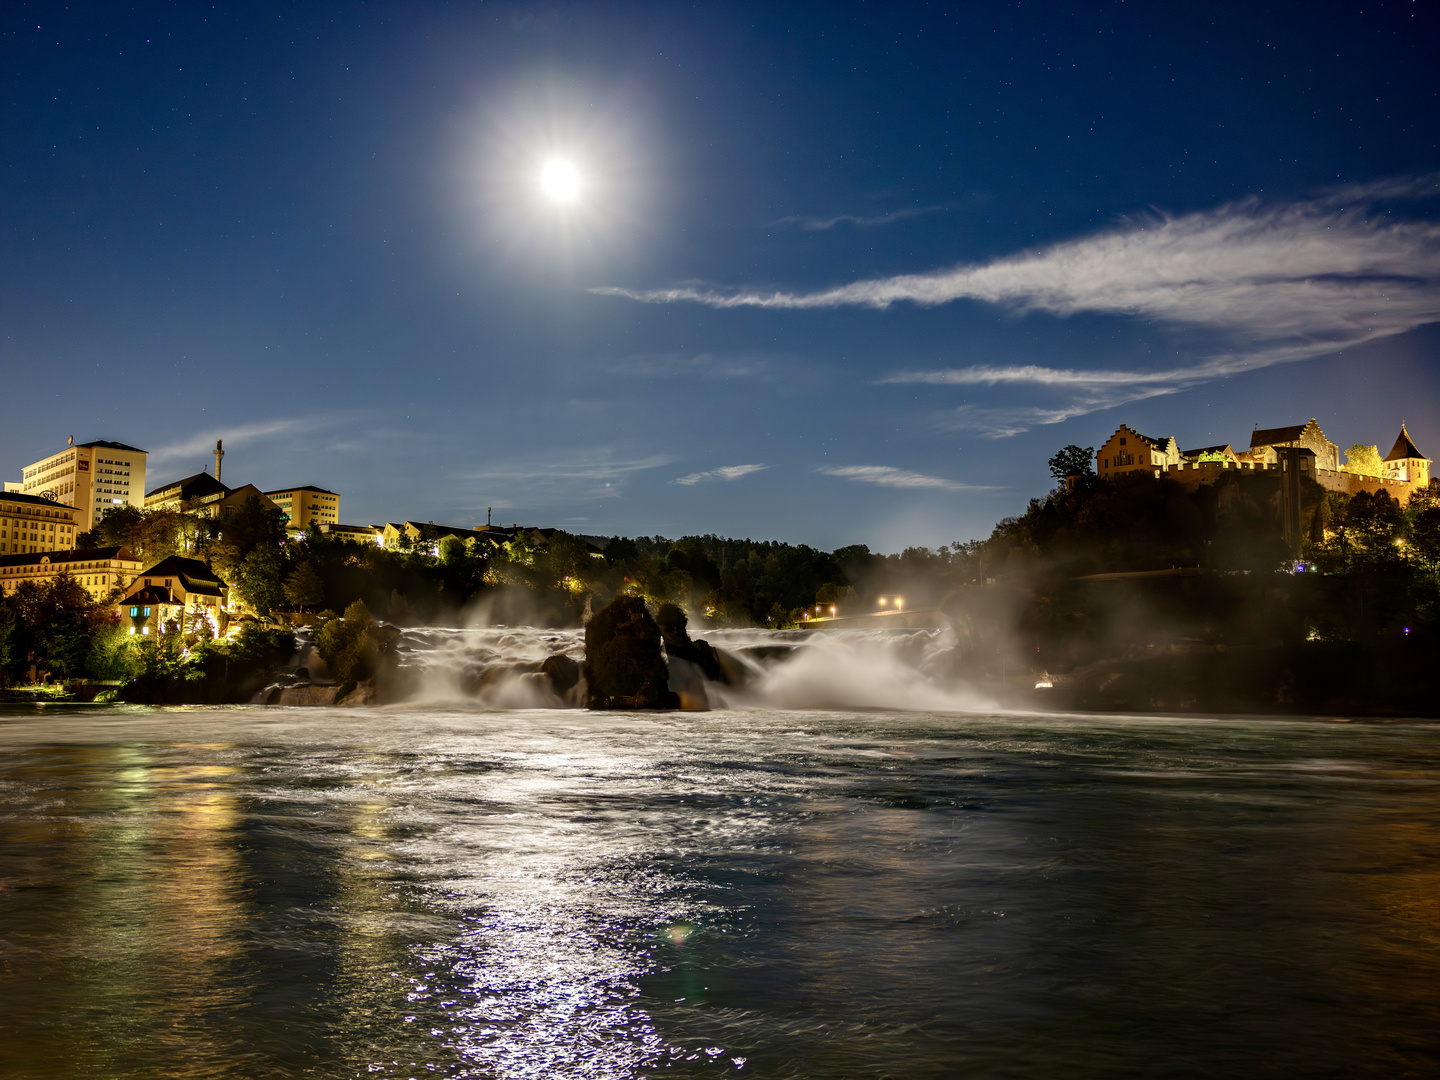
(500, 667)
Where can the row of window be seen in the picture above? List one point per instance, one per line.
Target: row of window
(50, 465)
(31, 510)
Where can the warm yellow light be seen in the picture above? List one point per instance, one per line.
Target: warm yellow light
(560, 181)
(899, 603)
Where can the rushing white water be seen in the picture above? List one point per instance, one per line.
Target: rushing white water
(497, 667)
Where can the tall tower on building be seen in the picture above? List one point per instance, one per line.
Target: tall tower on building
(219, 453)
(1405, 462)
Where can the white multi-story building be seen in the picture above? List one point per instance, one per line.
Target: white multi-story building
(88, 476)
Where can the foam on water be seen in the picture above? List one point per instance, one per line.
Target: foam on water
(497, 667)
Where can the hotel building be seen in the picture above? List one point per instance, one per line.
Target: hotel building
(87, 476)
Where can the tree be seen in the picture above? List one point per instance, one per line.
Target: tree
(1073, 460)
(621, 552)
(111, 656)
(54, 626)
(257, 579)
(1424, 498)
(1364, 460)
(1426, 530)
(452, 550)
(353, 646)
(250, 527)
(1375, 519)
(198, 626)
(305, 588)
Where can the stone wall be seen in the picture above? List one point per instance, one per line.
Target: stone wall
(1193, 474)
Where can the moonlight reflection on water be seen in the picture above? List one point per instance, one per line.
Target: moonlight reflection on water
(258, 893)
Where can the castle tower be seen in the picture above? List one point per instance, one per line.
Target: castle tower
(1406, 463)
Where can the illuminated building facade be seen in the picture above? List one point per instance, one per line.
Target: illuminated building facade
(1403, 471)
(302, 505)
(192, 491)
(1127, 451)
(30, 524)
(167, 589)
(354, 534)
(90, 477)
(100, 571)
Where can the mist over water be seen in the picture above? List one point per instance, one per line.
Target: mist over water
(419, 890)
(492, 667)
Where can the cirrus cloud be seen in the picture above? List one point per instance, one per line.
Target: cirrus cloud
(1274, 283)
(726, 472)
(889, 476)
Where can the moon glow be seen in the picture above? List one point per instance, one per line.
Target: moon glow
(560, 181)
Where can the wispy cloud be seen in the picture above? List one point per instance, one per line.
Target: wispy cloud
(860, 221)
(595, 474)
(727, 472)
(1275, 283)
(202, 446)
(889, 476)
(1081, 391)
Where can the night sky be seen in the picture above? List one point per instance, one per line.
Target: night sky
(833, 273)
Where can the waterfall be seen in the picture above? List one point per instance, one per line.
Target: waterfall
(499, 667)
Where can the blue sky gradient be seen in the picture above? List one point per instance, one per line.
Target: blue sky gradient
(838, 273)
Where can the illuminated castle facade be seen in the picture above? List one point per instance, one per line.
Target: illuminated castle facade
(1128, 452)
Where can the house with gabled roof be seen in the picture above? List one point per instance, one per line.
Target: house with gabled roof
(1128, 451)
(1264, 443)
(165, 590)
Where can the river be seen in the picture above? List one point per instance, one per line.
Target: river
(450, 891)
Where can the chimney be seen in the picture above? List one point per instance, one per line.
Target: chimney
(219, 453)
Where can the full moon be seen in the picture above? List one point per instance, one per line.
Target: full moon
(560, 181)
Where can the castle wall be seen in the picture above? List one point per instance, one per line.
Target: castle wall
(1354, 483)
(1194, 474)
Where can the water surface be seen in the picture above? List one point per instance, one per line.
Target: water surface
(255, 893)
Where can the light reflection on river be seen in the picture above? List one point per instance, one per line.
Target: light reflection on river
(254, 893)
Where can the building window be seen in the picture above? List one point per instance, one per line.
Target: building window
(134, 611)
(147, 612)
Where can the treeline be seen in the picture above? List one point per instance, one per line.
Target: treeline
(1036, 586)
(56, 630)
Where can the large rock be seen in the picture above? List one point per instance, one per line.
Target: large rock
(678, 645)
(567, 679)
(624, 667)
(563, 672)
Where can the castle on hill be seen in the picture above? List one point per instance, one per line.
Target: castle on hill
(1403, 471)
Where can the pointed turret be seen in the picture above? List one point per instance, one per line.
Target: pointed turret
(1404, 448)
(1406, 463)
